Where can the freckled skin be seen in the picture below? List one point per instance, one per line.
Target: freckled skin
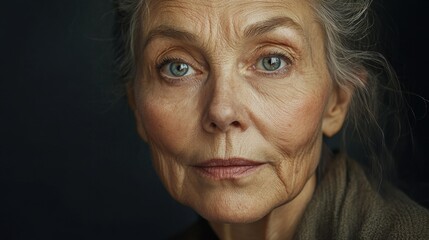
(228, 109)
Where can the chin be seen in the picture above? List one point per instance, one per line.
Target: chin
(233, 212)
(232, 217)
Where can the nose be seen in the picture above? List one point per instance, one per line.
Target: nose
(224, 110)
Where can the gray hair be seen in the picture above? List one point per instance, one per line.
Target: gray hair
(353, 65)
(128, 24)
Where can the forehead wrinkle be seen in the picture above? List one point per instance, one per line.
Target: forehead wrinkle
(192, 27)
(169, 32)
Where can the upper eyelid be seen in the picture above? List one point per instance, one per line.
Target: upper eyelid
(165, 61)
(278, 47)
(274, 50)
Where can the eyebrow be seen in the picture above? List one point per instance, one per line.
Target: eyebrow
(252, 31)
(263, 27)
(170, 32)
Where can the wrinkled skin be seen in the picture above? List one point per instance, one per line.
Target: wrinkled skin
(228, 105)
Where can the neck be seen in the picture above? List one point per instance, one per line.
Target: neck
(280, 223)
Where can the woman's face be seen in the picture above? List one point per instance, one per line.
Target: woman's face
(233, 98)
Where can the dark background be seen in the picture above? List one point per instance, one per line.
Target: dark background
(71, 163)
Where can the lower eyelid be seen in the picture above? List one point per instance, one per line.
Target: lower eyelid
(279, 73)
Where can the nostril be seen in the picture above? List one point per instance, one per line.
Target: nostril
(235, 124)
(213, 125)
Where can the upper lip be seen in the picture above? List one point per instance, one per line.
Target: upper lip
(229, 162)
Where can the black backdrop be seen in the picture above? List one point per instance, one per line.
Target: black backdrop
(71, 164)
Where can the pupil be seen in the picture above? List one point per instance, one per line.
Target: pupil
(271, 63)
(179, 69)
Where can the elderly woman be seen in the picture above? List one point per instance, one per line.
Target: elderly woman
(234, 99)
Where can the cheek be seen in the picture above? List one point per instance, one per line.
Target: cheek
(168, 126)
(294, 123)
(296, 137)
(293, 128)
(305, 116)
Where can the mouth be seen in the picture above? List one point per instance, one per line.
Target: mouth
(232, 168)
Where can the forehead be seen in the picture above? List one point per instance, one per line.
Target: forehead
(228, 17)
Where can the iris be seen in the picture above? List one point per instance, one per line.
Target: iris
(178, 69)
(271, 63)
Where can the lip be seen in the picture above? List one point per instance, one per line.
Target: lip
(232, 168)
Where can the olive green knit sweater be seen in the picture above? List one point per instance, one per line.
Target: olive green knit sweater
(346, 206)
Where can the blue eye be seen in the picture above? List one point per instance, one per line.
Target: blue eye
(271, 63)
(176, 69)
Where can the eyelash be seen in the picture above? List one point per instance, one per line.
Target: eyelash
(166, 61)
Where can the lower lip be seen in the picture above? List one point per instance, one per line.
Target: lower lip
(228, 172)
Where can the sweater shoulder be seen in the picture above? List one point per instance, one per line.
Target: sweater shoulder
(386, 212)
(399, 217)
